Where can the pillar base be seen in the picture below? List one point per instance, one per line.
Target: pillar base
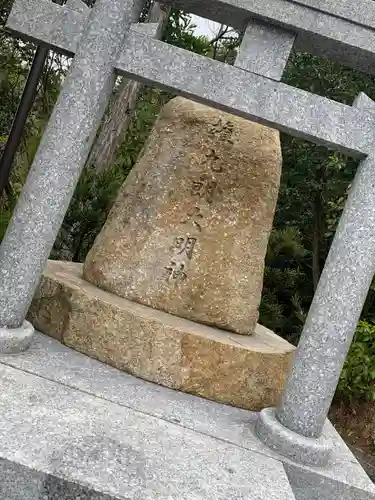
(15, 340)
(300, 449)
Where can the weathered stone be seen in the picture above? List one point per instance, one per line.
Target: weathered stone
(247, 372)
(189, 231)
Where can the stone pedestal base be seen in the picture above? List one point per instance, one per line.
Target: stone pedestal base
(15, 340)
(72, 427)
(244, 371)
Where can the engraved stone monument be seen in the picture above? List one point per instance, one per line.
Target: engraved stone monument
(287, 451)
(188, 234)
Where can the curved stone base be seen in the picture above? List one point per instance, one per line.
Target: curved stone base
(244, 371)
(15, 340)
(303, 450)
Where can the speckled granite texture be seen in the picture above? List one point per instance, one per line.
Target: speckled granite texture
(60, 158)
(336, 307)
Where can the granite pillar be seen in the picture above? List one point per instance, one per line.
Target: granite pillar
(330, 325)
(60, 159)
(335, 311)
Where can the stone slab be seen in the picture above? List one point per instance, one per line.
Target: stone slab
(245, 371)
(309, 485)
(52, 360)
(124, 454)
(48, 359)
(20, 482)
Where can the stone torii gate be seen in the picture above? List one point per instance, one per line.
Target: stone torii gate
(106, 41)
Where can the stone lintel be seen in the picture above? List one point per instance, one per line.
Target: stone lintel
(245, 94)
(361, 12)
(324, 28)
(247, 372)
(282, 11)
(58, 26)
(342, 32)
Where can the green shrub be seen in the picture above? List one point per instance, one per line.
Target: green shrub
(282, 308)
(357, 379)
(88, 210)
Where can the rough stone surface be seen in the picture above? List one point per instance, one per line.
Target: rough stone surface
(243, 371)
(13, 340)
(122, 453)
(188, 233)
